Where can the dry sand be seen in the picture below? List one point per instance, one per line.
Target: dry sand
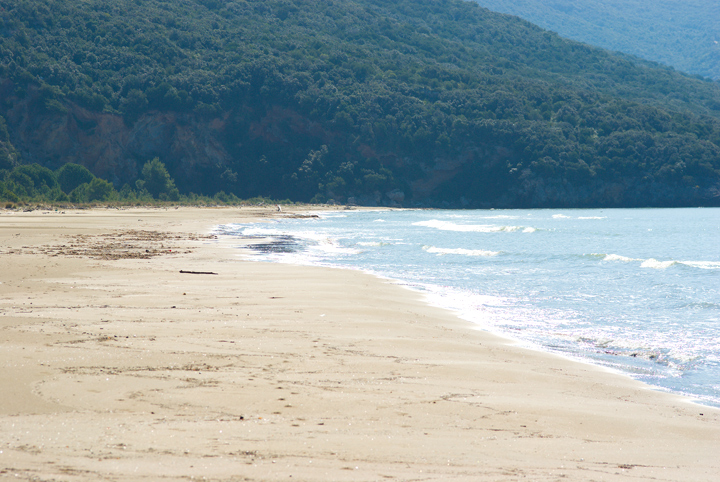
(116, 366)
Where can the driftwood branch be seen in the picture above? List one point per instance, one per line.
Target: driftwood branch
(197, 272)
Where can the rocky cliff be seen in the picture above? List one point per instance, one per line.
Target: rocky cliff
(110, 146)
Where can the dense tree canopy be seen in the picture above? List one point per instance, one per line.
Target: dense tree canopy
(378, 101)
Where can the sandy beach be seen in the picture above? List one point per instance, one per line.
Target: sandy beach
(119, 361)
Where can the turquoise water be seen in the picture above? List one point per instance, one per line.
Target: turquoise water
(637, 290)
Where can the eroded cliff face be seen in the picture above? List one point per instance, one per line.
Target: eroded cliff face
(112, 149)
(275, 151)
(205, 155)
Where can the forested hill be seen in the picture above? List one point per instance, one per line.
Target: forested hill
(422, 102)
(681, 33)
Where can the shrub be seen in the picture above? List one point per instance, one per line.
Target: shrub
(80, 193)
(7, 195)
(127, 194)
(226, 198)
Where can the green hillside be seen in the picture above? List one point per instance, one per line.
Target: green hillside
(682, 33)
(424, 102)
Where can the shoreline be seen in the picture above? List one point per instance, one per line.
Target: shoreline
(267, 371)
(432, 295)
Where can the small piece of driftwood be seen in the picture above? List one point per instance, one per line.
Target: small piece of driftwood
(197, 272)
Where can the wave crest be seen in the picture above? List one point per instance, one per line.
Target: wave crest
(460, 251)
(655, 264)
(702, 264)
(471, 228)
(617, 257)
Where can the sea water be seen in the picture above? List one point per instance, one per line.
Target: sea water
(636, 290)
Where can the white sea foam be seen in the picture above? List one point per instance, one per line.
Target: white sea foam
(467, 228)
(485, 310)
(529, 230)
(460, 251)
(372, 243)
(379, 221)
(617, 257)
(260, 231)
(592, 217)
(702, 264)
(560, 216)
(655, 264)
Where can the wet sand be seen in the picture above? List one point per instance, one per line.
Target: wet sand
(114, 365)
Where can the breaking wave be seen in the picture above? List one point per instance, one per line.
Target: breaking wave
(657, 264)
(617, 257)
(460, 251)
(472, 228)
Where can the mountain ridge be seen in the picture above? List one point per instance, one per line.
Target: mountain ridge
(684, 35)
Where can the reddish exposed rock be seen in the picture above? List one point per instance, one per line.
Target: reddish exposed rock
(113, 150)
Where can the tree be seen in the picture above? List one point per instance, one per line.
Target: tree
(32, 180)
(100, 190)
(72, 175)
(157, 181)
(134, 103)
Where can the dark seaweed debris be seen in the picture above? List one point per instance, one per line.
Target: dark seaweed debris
(278, 244)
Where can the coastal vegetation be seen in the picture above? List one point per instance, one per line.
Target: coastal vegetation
(73, 185)
(406, 102)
